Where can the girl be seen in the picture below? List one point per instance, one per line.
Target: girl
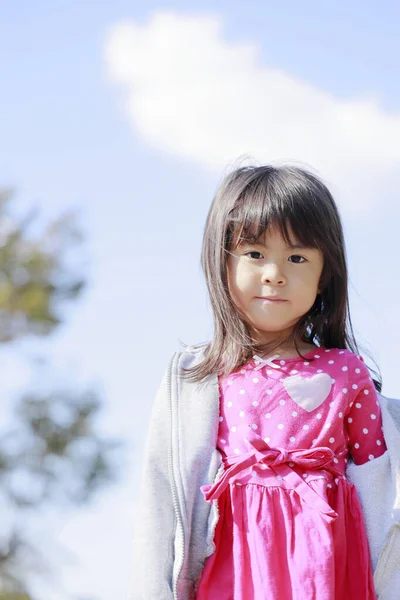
(245, 494)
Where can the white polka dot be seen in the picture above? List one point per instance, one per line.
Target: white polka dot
(268, 392)
(327, 425)
(314, 441)
(336, 481)
(316, 356)
(333, 379)
(327, 350)
(255, 380)
(236, 451)
(269, 372)
(305, 475)
(358, 405)
(254, 426)
(255, 403)
(306, 427)
(331, 440)
(378, 442)
(358, 371)
(221, 419)
(371, 457)
(330, 362)
(335, 460)
(282, 402)
(280, 426)
(344, 368)
(354, 386)
(222, 441)
(282, 362)
(229, 404)
(373, 417)
(233, 428)
(340, 414)
(294, 414)
(366, 392)
(350, 420)
(329, 485)
(365, 430)
(356, 445)
(243, 371)
(294, 372)
(344, 390)
(341, 352)
(266, 440)
(319, 371)
(331, 404)
(242, 392)
(292, 439)
(306, 364)
(268, 416)
(319, 416)
(241, 414)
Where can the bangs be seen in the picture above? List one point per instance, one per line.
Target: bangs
(289, 201)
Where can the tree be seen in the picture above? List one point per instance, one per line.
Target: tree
(53, 454)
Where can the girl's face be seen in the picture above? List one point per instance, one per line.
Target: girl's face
(273, 284)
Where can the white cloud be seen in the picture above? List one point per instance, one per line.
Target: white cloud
(191, 93)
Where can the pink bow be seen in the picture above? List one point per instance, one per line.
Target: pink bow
(280, 461)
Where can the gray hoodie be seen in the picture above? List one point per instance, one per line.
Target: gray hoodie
(175, 525)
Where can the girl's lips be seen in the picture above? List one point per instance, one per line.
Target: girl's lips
(271, 299)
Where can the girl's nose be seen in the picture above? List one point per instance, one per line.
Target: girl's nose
(273, 275)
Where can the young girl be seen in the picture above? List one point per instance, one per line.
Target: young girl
(245, 494)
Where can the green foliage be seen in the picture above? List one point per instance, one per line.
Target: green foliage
(54, 453)
(13, 558)
(14, 596)
(35, 277)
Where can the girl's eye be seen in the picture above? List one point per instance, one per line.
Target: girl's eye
(296, 258)
(254, 254)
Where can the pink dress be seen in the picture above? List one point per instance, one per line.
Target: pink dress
(291, 526)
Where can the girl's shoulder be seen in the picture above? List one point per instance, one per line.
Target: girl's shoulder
(349, 362)
(344, 354)
(335, 356)
(347, 355)
(187, 359)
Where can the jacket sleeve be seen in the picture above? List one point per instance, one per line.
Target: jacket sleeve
(381, 507)
(154, 525)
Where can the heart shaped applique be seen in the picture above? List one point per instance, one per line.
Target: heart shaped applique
(308, 393)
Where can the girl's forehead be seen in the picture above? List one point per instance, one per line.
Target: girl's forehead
(274, 234)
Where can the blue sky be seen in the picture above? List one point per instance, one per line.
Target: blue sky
(130, 115)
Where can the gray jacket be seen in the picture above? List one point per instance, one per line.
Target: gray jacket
(175, 526)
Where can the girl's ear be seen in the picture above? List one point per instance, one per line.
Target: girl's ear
(321, 284)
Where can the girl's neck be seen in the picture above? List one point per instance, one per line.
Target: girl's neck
(287, 349)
